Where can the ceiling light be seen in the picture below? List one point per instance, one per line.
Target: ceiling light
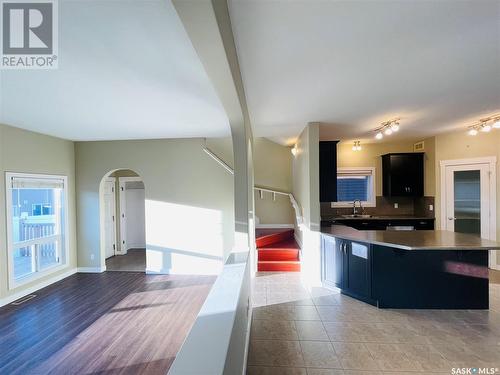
(395, 127)
(486, 128)
(356, 146)
(379, 135)
(472, 131)
(388, 131)
(496, 125)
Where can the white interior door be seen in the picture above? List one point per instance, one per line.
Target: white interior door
(123, 217)
(109, 218)
(468, 199)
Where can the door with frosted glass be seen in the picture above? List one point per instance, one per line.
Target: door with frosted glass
(468, 199)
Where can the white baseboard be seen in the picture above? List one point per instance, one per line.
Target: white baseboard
(91, 269)
(495, 267)
(273, 226)
(136, 246)
(13, 297)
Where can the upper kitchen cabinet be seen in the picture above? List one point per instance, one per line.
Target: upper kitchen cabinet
(403, 174)
(328, 171)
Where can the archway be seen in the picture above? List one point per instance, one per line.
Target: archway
(122, 221)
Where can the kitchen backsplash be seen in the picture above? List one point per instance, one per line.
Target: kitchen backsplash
(418, 207)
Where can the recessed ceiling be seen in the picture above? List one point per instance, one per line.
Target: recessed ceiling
(127, 70)
(353, 64)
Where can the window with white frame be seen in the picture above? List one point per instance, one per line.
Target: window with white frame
(37, 225)
(355, 184)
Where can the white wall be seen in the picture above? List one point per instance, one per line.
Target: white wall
(136, 217)
(24, 151)
(189, 206)
(306, 192)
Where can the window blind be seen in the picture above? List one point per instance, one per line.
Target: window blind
(36, 183)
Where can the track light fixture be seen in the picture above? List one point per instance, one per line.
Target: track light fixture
(387, 128)
(485, 125)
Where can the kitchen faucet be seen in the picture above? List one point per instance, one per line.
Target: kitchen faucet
(354, 212)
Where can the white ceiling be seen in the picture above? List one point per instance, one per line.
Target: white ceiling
(127, 70)
(354, 64)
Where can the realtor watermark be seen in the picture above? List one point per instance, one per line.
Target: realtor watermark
(29, 37)
(475, 370)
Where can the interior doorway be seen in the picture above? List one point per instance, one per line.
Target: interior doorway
(468, 198)
(123, 219)
(109, 217)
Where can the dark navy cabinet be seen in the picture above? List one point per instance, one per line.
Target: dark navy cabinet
(347, 266)
(390, 277)
(328, 171)
(332, 254)
(358, 275)
(403, 174)
(383, 224)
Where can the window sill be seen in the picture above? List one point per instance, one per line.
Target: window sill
(16, 283)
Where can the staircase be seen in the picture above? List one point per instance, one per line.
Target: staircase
(277, 251)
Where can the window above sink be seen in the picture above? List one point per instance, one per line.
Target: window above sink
(355, 183)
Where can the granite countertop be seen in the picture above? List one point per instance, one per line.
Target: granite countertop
(413, 240)
(375, 217)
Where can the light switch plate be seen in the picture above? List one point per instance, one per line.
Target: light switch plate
(431, 207)
(396, 205)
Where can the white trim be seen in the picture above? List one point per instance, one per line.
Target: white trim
(373, 196)
(115, 232)
(130, 179)
(12, 282)
(272, 226)
(13, 297)
(91, 269)
(492, 161)
(122, 247)
(247, 338)
(484, 160)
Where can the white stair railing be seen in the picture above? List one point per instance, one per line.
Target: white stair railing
(293, 201)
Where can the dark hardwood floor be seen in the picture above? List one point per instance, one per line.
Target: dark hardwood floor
(109, 323)
(134, 260)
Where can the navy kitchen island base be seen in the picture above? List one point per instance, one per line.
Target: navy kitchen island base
(391, 277)
(430, 279)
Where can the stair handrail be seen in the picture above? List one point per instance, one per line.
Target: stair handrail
(293, 201)
(295, 205)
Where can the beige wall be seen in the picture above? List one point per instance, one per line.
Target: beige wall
(369, 156)
(24, 151)
(272, 169)
(459, 145)
(189, 202)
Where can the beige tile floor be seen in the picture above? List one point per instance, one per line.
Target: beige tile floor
(314, 331)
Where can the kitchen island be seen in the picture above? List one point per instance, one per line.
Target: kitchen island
(407, 269)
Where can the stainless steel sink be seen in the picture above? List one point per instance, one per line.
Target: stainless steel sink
(357, 216)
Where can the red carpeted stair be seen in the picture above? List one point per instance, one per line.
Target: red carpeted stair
(277, 250)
